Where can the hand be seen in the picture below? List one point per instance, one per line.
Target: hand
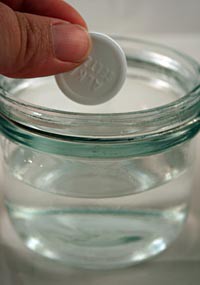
(40, 38)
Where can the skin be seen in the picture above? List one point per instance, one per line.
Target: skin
(27, 41)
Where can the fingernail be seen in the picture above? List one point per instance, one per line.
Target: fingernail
(70, 42)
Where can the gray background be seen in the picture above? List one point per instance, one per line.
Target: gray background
(141, 16)
(176, 23)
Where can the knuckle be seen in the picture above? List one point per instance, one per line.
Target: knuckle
(34, 42)
(9, 43)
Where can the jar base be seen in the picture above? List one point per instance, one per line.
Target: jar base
(97, 239)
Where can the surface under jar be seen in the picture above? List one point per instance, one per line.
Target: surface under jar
(102, 186)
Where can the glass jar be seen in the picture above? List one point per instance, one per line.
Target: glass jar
(102, 186)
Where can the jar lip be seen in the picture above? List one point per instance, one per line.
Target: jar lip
(163, 118)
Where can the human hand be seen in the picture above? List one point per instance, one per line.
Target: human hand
(40, 38)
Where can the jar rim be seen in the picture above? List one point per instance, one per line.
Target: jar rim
(155, 120)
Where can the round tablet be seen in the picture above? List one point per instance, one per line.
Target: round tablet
(100, 77)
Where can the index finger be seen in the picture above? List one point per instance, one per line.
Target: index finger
(49, 8)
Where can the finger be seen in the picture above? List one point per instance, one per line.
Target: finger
(32, 46)
(50, 8)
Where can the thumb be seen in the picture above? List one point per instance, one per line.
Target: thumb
(33, 46)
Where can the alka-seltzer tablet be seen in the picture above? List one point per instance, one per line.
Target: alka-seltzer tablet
(100, 77)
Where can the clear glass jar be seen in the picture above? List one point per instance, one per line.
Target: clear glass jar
(102, 186)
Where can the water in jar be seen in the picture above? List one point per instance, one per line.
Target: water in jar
(97, 213)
